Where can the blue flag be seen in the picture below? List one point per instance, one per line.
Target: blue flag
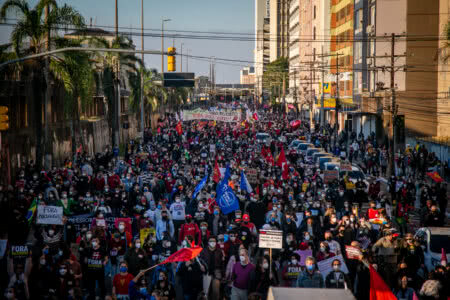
(227, 174)
(199, 186)
(226, 199)
(245, 185)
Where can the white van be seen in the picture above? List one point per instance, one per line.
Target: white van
(433, 240)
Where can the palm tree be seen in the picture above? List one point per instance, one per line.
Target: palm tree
(30, 36)
(109, 75)
(155, 96)
(75, 71)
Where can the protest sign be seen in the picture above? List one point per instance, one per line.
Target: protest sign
(325, 266)
(330, 176)
(143, 233)
(49, 215)
(353, 252)
(252, 175)
(272, 239)
(19, 251)
(303, 255)
(345, 166)
(111, 222)
(201, 114)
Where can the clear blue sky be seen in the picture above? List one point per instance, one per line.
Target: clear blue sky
(196, 15)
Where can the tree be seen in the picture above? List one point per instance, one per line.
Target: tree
(74, 70)
(154, 94)
(275, 77)
(30, 36)
(109, 75)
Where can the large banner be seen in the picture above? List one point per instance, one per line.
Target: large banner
(201, 114)
(110, 222)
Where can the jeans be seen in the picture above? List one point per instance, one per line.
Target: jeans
(238, 294)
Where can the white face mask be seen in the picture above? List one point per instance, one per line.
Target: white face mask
(121, 227)
(94, 244)
(138, 245)
(212, 244)
(265, 266)
(242, 259)
(294, 261)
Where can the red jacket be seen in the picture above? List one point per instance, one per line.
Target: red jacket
(189, 229)
(113, 181)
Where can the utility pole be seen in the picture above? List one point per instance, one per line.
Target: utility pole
(47, 98)
(393, 108)
(322, 109)
(337, 99)
(181, 58)
(143, 68)
(117, 20)
(162, 44)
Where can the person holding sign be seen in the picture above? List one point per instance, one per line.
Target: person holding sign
(336, 279)
(310, 277)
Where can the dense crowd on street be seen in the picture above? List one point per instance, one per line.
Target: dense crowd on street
(122, 215)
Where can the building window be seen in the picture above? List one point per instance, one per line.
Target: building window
(315, 13)
(314, 33)
(358, 19)
(372, 15)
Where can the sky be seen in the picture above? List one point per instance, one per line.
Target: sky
(230, 16)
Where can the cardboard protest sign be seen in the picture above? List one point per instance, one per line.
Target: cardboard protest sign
(330, 175)
(252, 175)
(325, 266)
(49, 215)
(272, 239)
(111, 222)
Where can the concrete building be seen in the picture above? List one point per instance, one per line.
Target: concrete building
(421, 79)
(279, 26)
(262, 41)
(247, 75)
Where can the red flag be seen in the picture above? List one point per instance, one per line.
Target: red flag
(216, 173)
(285, 173)
(184, 254)
(435, 176)
(269, 159)
(255, 116)
(179, 129)
(281, 158)
(379, 290)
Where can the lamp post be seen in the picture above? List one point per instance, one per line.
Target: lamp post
(181, 58)
(143, 68)
(187, 59)
(162, 43)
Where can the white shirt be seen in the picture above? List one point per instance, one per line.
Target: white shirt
(177, 209)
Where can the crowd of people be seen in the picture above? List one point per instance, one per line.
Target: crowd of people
(122, 215)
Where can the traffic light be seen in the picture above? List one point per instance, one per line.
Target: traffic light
(4, 119)
(171, 65)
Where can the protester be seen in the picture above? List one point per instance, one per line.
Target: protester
(217, 185)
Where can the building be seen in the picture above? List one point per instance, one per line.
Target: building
(421, 79)
(279, 26)
(262, 41)
(341, 60)
(247, 75)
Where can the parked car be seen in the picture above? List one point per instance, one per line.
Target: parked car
(263, 138)
(433, 240)
(324, 159)
(310, 152)
(303, 147)
(316, 156)
(295, 143)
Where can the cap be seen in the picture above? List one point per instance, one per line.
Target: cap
(246, 217)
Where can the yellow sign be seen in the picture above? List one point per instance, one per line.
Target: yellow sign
(326, 88)
(331, 102)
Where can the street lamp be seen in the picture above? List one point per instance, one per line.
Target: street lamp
(181, 58)
(187, 59)
(162, 43)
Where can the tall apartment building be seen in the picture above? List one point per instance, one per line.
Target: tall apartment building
(341, 57)
(279, 26)
(262, 41)
(247, 75)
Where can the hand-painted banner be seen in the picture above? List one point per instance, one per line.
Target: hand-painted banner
(200, 114)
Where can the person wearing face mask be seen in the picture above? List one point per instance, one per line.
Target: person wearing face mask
(189, 272)
(241, 276)
(310, 277)
(138, 288)
(189, 228)
(257, 210)
(337, 279)
(165, 287)
(217, 222)
(324, 252)
(434, 218)
(42, 278)
(164, 225)
(95, 260)
(205, 234)
(136, 258)
(402, 291)
(178, 212)
(121, 282)
(264, 277)
(212, 256)
(291, 270)
(65, 281)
